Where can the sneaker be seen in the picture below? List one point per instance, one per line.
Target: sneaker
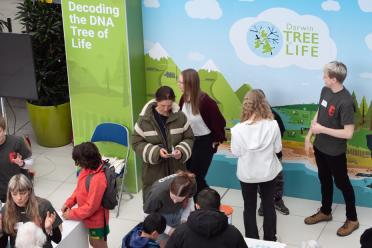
(318, 217)
(348, 227)
(279, 205)
(260, 210)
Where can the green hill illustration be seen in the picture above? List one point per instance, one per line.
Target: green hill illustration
(240, 93)
(216, 86)
(160, 71)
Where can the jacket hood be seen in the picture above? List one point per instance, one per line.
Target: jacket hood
(133, 239)
(87, 171)
(207, 223)
(146, 110)
(259, 135)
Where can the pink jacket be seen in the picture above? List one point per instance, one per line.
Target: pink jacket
(89, 209)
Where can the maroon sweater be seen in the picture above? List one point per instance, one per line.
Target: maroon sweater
(212, 117)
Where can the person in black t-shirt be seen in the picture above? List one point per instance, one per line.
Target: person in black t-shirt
(15, 157)
(333, 125)
(23, 206)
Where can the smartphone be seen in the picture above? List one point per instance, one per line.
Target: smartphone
(170, 155)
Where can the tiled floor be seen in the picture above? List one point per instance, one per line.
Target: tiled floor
(55, 180)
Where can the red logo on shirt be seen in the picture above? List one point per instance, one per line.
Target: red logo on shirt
(331, 110)
(12, 156)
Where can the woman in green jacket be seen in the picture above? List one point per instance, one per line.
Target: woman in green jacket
(162, 138)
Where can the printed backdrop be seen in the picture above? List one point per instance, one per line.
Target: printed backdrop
(279, 47)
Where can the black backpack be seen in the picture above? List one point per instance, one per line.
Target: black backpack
(109, 199)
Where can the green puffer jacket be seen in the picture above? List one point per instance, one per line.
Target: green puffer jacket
(147, 141)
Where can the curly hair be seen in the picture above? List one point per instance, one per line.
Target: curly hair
(255, 105)
(87, 155)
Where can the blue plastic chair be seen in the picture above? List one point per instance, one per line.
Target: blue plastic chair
(119, 134)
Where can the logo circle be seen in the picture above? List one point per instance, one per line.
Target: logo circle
(265, 39)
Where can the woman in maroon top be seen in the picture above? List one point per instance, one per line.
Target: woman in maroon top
(206, 122)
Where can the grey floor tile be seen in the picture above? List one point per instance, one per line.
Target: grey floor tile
(44, 187)
(131, 209)
(292, 229)
(234, 198)
(53, 168)
(329, 239)
(60, 194)
(303, 207)
(364, 214)
(118, 229)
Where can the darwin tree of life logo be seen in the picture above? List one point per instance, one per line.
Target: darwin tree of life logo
(265, 39)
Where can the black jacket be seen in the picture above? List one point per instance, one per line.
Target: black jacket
(206, 228)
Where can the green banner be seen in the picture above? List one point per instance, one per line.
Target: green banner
(99, 70)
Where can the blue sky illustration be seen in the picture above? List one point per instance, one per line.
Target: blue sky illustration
(166, 22)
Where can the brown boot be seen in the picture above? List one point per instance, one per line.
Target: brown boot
(318, 217)
(348, 227)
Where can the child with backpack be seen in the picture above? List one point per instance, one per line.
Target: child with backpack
(145, 234)
(89, 195)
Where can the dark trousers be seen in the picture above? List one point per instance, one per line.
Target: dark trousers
(201, 158)
(249, 192)
(279, 187)
(330, 167)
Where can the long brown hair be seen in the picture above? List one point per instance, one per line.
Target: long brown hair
(183, 184)
(255, 103)
(20, 183)
(192, 91)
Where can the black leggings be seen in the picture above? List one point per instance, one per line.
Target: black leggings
(201, 158)
(249, 192)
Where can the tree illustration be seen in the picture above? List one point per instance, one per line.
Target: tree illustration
(357, 115)
(266, 38)
(363, 110)
(369, 117)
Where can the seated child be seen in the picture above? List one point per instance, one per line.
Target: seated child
(145, 233)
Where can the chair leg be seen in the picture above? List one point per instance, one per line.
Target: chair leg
(120, 196)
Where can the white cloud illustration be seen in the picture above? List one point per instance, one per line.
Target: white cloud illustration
(195, 56)
(151, 3)
(366, 75)
(246, 0)
(203, 9)
(284, 19)
(368, 40)
(365, 5)
(331, 5)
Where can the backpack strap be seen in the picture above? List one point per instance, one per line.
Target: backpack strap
(89, 177)
(87, 181)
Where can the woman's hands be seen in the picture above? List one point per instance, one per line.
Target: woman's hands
(65, 212)
(49, 220)
(175, 154)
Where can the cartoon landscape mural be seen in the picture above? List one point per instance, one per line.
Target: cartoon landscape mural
(284, 57)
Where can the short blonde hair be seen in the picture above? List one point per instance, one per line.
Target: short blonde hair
(255, 103)
(336, 69)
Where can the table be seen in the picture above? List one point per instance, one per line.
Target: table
(256, 243)
(74, 234)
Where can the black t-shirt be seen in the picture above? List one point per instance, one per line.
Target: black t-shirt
(44, 207)
(12, 145)
(335, 111)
